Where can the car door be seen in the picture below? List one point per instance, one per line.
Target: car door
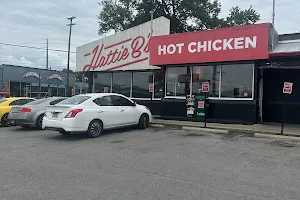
(106, 111)
(128, 113)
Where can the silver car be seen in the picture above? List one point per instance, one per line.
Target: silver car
(32, 114)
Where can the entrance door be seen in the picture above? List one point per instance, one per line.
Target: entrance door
(273, 98)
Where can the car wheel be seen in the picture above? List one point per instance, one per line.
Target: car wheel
(63, 132)
(144, 121)
(5, 120)
(39, 122)
(95, 129)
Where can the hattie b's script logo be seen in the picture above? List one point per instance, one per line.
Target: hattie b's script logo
(118, 55)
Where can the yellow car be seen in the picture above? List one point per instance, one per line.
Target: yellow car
(6, 105)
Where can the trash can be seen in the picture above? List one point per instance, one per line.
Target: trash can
(201, 108)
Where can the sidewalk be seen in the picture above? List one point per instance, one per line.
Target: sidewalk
(289, 129)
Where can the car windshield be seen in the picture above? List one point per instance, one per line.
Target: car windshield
(74, 100)
(39, 101)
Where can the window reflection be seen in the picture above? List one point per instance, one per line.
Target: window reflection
(206, 73)
(178, 81)
(237, 81)
(140, 84)
(122, 83)
(102, 82)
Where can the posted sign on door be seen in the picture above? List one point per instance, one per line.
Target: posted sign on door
(287, 88)
(205, 87)
(151, 87)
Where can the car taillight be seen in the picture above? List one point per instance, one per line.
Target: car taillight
(73, 113)
(23, 110)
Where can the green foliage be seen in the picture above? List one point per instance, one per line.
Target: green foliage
(185, 15)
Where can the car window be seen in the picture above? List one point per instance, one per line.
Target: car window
(103, 101)
(26, 101)
(39, 101)
(120, 101)
(56, 101)
(17, 102)
(75, 100)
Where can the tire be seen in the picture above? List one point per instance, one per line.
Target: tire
(144, 121)
(95, 129)
(39, 122)
(63, 132)
(5, 120)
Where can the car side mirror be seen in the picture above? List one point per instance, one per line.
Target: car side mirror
(133, 104)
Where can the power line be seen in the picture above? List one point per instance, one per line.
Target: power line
(32, 47)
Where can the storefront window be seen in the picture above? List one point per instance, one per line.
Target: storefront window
(102, 81)
(140, 84)
(206, 73)
(122, 83)
(178, 81)
(15, 89)
(237, 81)
(61, 92)
(24, 93)
(159, 77)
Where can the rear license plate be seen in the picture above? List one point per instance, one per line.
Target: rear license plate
(55, 115)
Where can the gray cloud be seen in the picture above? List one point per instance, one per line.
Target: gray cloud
(30, 22)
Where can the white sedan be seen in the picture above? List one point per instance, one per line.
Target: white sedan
(93, 113)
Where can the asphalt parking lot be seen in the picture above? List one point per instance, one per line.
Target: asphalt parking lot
(146, 164)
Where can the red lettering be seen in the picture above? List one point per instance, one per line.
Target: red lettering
(108, 57)
(125, 54)
(113, 59)
(119, 57)
(90, 66)
(139, 45)
(136, 46)
(146, 49)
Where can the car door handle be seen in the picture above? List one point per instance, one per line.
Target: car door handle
(122, 110)
(100, 111)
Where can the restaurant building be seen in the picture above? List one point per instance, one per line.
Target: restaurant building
(25, 81)
(245, 66)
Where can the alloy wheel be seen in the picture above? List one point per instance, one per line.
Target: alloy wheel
(96, 128)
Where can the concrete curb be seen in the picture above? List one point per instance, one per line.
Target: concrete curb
(157, 125)
(282, 137)
(210, 130)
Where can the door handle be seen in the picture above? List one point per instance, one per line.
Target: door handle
(122, 110)
(100, 111)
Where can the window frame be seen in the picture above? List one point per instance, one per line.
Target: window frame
(220, 82)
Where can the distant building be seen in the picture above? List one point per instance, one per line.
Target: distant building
(25, 81)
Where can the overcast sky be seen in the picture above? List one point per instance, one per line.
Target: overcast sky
(30, 22)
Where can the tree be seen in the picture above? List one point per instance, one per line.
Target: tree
(185, 15)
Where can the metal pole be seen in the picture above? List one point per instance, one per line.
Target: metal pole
(273, 23)
(283, 113)
(151, 33)
(69, 46)
(39, 94)
(47, 56)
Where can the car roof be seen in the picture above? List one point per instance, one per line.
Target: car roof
(16, 98)
(99, 94)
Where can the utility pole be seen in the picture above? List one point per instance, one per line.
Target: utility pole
(69, 46)
(47, 57)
